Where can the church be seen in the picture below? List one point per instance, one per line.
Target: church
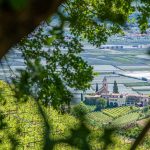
(116, 99)
(104, 88)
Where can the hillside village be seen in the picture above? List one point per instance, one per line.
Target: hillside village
(116, 99)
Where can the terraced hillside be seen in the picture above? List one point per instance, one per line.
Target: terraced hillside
(119, 111)
(120, 116)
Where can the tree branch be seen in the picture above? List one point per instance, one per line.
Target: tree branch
(141, 136)
(16, 24)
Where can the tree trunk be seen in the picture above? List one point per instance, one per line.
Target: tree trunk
(16, 24)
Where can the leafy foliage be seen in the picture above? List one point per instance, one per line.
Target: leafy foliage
(18, 5)
(50, 83)
(30, 125)
(51, 73)
(27, 128)
(97, 20)
(143, 18)
(14, 5)
(80, 110)
(52, 58)
(132, 132)
(102, 103)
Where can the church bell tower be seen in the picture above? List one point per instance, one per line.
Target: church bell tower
(104, 88)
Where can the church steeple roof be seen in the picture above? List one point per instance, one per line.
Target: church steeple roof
(104, 88)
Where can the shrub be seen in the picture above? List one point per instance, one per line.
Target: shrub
(80, 110)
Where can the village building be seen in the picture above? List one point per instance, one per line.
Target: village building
(116, 99)
(140, 100)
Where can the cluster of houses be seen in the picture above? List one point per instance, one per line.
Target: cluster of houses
(117, 99)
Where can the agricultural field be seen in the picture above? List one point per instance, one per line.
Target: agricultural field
(126, 84)
(143, 88)
(119, 111)
(106, 62)
(120, 116)
(24, 126)
(134, 68)
(91, 107)
(104, 68)
(98, 118)
(111, 62)
(120, 79)
(24, 120)
(126, 119)
(137, 84)
(144, 92)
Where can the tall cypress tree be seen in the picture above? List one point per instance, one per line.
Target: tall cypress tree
(96, 87)
(81, 96)
(115, 87)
